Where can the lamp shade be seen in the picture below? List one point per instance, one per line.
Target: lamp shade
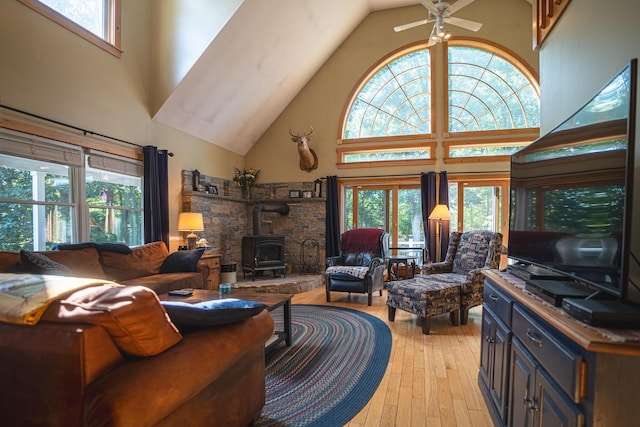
(441, 213)
(190, 221)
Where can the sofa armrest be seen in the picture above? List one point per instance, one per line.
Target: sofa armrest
(334, 260)
(203, 268)
(437, 268)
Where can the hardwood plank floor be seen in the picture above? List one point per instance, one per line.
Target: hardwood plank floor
(431, 380)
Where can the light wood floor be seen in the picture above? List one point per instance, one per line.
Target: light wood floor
(431, 379)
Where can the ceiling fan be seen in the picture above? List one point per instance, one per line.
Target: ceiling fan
(441, 12)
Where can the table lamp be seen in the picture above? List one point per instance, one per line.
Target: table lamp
(190, 221)
(439, 213)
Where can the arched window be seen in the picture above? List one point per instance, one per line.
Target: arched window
(488, 91)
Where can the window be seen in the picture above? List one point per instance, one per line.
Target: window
(43, 184)
(492, 109)
(97, 21)
(489, 108)
(396, 100)
(488, 92)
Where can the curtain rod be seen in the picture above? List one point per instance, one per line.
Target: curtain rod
(410, 175)
(84, 131)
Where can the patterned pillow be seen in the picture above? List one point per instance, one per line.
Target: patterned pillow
(36, 263)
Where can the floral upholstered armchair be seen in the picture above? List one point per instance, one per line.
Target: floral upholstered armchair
(468, 254)
(360, 266)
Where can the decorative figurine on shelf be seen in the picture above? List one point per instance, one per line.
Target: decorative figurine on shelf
(227, 188)
(245, 180)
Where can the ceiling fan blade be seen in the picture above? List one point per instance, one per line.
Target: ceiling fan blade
(459, 5)
(410, 25)
(430, 6)
(464, 23)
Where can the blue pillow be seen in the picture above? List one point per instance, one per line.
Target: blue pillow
(210, 313)
(181, 261)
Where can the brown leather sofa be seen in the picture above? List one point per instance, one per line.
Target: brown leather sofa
(55, 374)
(74, 374)
(140, 265)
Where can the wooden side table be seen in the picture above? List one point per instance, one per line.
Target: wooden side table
(213, 260)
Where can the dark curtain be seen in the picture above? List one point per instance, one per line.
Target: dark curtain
(156, 195)
(443, 199)
(428, 196)
(333, 218)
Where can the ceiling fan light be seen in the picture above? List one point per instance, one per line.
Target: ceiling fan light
(447, 36)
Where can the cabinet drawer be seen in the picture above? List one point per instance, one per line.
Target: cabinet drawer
(563, 364)
(212, 261)
(499, 303)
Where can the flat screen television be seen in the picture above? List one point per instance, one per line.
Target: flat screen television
(571, 191)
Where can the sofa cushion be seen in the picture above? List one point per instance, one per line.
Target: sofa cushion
(83, 263)
(37, 263)
(188, 316)
(181, 261)
(133, 316)
(144, 260)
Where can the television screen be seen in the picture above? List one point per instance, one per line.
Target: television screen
(570, 197)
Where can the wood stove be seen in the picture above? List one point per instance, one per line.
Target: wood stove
(262, 253)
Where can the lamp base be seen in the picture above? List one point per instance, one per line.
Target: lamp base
(191, 241)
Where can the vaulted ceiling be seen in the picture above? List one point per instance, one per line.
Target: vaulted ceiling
(259, 55)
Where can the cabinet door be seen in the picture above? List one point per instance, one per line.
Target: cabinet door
(500, 374)
(487, 347)
(555, 409)
(521, 387)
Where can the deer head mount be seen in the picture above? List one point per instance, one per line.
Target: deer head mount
(308, 157)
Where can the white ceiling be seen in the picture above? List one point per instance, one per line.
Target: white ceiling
(257, 63)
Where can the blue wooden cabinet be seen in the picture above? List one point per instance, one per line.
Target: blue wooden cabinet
(538, 367)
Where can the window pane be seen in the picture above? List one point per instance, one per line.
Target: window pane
(479, 208)
(387, 156)
(34, 227)
(89, 14)
(395, 101)
(410, 228)
(115, 207)
(504, 150)
(372, 208)
(487, 92)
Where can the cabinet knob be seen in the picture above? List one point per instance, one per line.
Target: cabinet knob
(489, 339)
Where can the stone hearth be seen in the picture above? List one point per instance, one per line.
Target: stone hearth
(294, 284)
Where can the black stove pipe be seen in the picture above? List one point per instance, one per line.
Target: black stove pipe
(281, 208)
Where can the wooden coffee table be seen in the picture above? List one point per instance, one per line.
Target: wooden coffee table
(272, 302)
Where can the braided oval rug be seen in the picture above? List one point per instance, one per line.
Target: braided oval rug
(336, 361)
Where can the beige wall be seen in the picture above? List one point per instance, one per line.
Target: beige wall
(321, 102)
(49, 71)
(588, 46)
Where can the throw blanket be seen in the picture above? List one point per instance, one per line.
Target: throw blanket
(353, 270)
(24, 297)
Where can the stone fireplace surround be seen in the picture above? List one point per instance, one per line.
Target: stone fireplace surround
(228, 218)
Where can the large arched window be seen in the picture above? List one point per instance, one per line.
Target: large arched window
(394, 108)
